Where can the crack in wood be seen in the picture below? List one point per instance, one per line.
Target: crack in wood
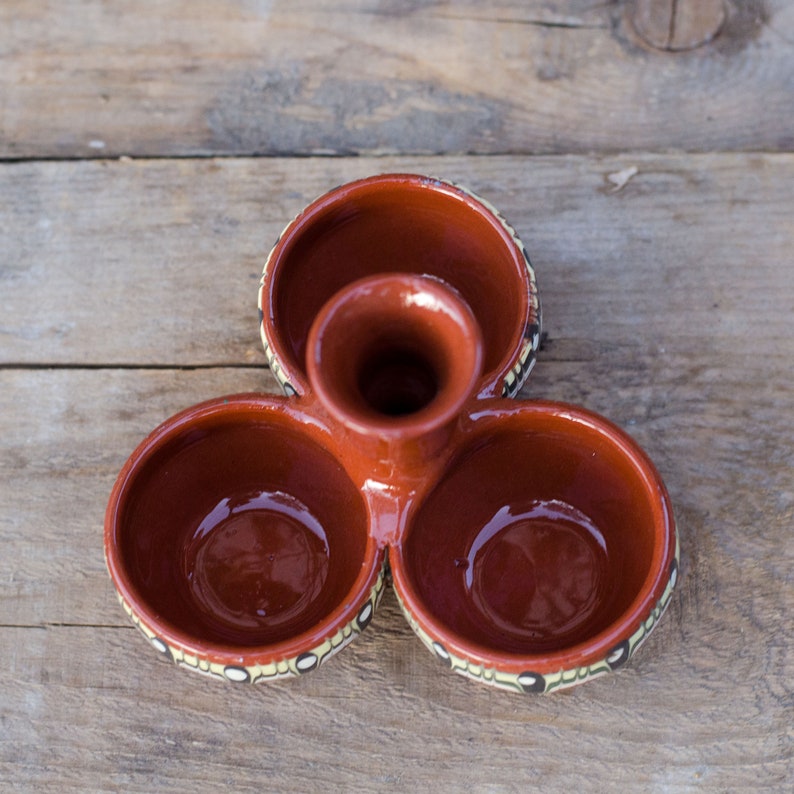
(567, 24)
(126, 365)
(671, 29)
(64, 625)
(678, 25)
(539, 23)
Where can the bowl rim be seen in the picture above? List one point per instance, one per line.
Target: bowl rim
(516, 361)
(266, 409)
(593, 649)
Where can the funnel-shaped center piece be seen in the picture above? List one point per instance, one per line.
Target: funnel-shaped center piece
(395, 356)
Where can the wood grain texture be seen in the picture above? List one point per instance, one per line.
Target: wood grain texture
(128, 291)
(87, 79)
(157, 262)
(668, 307)
(706, 702)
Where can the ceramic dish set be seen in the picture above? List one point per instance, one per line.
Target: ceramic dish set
(531, 544)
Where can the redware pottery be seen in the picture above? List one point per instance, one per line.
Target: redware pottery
(532, 544)
(238, 544)
(559, 553)
(402, 223)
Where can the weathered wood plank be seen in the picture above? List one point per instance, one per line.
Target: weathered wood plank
(157, 262)
(669, 308)
(84, 716)
(707, 701)
(86, 79)
(702, 414)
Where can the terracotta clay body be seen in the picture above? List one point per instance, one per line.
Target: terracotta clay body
(531, 544)
(401, 223)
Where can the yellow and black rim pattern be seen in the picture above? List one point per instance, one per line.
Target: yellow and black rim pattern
(272, 670)
(533, 682)
(518, 375)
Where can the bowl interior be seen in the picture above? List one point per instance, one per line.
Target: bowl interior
(540, 536)
(398, 225)
(239, 530)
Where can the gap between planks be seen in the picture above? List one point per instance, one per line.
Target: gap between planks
(398, 154)
(124, 365)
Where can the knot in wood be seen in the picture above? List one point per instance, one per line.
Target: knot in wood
(676, 25)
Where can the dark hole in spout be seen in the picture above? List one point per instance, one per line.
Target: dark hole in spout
(397, 382)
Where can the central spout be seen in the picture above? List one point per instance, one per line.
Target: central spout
(393, 359)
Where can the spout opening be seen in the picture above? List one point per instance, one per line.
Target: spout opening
(397, 382)
(394, 355)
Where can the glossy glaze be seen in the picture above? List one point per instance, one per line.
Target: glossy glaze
(232, 526)
(399, 223)
(532, 544)
(537, 574)
(256, 563)
(393, 359)
(547, 535)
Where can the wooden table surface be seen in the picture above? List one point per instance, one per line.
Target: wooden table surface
(150, 152)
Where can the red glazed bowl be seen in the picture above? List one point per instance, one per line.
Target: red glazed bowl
(239, 545)
(544, 554)
(402, 223)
